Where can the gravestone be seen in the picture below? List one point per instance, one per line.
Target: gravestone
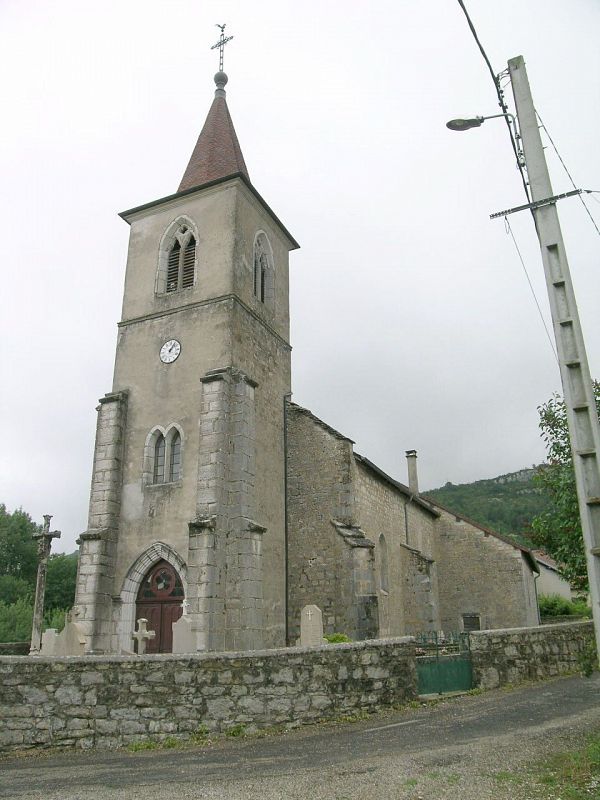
(311, 627)
(184, 638)
(69, 642)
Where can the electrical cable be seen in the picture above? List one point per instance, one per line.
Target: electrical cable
(510, 231)
(501, 102)
(545, 129)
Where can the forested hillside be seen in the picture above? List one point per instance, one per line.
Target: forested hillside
(506, 504)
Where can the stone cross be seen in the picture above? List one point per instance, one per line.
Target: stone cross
(44, 538)
(311, 627)
(141, 635)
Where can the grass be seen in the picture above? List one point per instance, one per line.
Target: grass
(575, 774)
(570, 775)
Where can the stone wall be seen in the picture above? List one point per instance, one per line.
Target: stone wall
(514, 655)
(111, 701)
(481, 574)
(328, 563)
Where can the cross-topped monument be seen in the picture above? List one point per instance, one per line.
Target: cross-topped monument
(142, 635)
(44, 538)
(221, 44)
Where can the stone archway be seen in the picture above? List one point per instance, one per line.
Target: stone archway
(158, 551)
(160, 602)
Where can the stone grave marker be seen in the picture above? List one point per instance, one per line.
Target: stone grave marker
(311, 627)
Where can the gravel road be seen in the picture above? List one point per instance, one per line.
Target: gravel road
(460, 747)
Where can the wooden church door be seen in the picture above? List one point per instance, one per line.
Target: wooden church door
(160, 601)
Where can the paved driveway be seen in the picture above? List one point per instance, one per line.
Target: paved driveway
(459, 748)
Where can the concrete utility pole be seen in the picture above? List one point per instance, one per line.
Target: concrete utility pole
(44, 544)
(575, 374)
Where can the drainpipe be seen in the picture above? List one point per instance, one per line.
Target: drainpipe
(286, 399)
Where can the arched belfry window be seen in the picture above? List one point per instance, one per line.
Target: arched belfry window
(177, 259)
(263, 269)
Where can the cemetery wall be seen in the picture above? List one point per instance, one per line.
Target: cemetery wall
(502, 657)
(111, 701)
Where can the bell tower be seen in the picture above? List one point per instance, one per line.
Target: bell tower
(188, 469)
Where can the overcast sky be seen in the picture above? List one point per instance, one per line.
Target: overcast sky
(412, 322)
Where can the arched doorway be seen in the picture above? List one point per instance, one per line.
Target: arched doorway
(160, 601)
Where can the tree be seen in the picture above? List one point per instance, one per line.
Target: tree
(60, 587)
(558, 530)
(18, 550)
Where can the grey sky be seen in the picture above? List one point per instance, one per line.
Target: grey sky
(412, 322)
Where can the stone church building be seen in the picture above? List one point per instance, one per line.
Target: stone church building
(216, 497)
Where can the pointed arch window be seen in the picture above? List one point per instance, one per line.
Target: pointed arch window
(175, 457)
(263, 269)
(163, 455)
(181, 261)
(158, 475)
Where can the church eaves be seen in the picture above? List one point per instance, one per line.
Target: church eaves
(217, 153)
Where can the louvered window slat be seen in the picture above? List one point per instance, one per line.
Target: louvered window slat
(189, 258)
(173, 268)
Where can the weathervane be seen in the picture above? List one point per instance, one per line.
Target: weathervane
(221, 45)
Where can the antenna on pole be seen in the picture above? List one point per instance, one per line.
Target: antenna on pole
(221, 45)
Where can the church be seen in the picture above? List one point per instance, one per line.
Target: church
(214, 496)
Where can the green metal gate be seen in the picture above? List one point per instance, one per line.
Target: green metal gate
(443, 663)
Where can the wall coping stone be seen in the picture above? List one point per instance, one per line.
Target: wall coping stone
(245, 655)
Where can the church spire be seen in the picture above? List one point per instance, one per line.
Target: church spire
(217, 153)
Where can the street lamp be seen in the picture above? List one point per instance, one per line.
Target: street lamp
(580, 403)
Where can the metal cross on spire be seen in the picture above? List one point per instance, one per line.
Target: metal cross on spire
(221, 45)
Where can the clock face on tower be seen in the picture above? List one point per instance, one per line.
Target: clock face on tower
(170, 351)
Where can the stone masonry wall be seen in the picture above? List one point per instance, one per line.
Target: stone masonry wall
(514, 655)
(478, 573)
(111, 701)
(319, 491)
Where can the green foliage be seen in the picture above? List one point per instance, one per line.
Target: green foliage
(505, 504)
(15, 621)
(553, 605)
(60, 583)
(18, 550)
(55, 618)
(236, 730)
(18, 572)
(337, 638)
(588, 660)
(13, 588)
(558, 529)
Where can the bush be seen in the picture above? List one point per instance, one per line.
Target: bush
(553, 605)
(337, 638)
(15, 621)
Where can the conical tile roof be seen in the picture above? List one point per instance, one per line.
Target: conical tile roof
(217, 153)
